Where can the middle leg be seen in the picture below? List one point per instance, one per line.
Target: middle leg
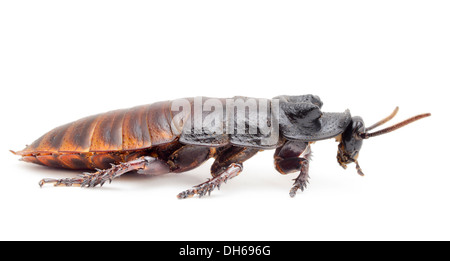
(227, 165)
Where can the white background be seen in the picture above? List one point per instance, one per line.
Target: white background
(63, 60)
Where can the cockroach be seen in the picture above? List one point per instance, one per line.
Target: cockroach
(179, 135)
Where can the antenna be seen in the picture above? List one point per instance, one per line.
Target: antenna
(383, 121)
(367, 135)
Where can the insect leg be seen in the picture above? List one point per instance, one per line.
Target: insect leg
(294, 156)
(145, 163)
(189, 157)
(206, 187)
(228, 164)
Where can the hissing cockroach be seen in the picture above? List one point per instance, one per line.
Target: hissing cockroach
(177, 136)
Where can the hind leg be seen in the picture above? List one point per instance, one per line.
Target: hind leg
(184, 159)
(145, 164)
(228, 164)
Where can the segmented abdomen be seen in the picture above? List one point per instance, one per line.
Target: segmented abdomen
(95, 141)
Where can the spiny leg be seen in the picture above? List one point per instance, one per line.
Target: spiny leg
(206, 187)
(227, 165)
(302, 179)
(99, 177)
(294, 156)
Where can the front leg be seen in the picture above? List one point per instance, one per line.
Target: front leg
(294, 156)
(302, 179)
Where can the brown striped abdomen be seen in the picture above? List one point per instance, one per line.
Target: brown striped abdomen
(96, 141)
